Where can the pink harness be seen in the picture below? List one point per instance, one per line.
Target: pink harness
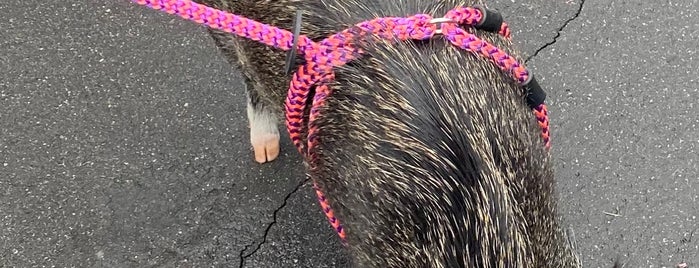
(336, 50)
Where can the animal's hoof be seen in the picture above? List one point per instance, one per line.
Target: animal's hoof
(266, 147)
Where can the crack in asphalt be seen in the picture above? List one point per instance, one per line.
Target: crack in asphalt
(244, 256)
(558, 32)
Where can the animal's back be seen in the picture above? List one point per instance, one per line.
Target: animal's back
(429, 154)
(431, 157)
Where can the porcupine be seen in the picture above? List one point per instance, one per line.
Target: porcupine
(429, 154)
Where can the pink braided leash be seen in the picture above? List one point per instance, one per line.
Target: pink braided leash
(338, 49)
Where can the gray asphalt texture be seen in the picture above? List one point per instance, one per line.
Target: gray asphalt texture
(124, 143)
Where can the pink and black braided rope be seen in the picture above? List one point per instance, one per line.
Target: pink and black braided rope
(336, 50)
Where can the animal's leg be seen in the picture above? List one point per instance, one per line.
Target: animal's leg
(262, 120)
(264, 133)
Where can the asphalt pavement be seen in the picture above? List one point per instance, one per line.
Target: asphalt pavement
(124, 142)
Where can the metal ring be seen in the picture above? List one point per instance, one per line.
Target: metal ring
(440, 21)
